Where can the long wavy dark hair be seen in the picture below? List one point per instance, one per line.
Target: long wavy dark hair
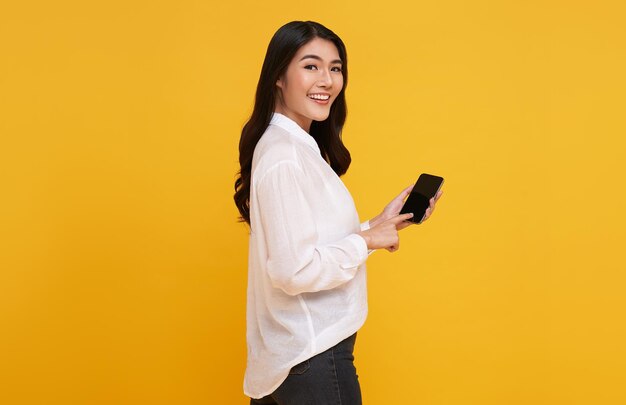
(282, 48)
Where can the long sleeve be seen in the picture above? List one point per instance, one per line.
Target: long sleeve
(307, 276)
(297, 262)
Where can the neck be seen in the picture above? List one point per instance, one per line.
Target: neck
(303, 122)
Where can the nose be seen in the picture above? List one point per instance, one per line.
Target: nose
(325, 80)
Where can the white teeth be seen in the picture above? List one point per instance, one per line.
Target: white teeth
(319, 96)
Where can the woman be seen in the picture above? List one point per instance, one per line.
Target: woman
(306, 278)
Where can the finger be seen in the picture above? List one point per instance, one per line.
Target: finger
(399, 218)
(427, 215)
(439, 193)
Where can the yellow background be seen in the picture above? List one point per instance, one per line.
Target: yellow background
(123, 269)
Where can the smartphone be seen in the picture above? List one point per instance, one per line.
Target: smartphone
(418, 201)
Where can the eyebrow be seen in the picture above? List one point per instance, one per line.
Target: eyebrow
(320, 59)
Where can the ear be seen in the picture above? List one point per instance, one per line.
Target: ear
(279, 82)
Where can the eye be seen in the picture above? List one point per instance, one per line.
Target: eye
(334, 69)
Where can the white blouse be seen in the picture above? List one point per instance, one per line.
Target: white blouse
(306, 263)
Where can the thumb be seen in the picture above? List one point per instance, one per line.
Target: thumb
(407, 190)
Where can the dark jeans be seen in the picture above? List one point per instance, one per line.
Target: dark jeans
(328, 378)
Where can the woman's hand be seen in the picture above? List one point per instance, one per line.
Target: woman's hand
(395, 206)
(385, 233)
(433, 201)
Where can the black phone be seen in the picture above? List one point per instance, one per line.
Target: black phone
(418, 201)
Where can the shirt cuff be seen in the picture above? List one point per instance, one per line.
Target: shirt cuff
(361, 249)
(365, 225)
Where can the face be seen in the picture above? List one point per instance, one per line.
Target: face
(311, 83)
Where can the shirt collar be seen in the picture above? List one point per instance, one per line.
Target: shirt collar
(293, 128)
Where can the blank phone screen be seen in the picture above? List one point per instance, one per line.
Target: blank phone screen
(419, 200)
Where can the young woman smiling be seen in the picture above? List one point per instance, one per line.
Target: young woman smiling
(307, 295)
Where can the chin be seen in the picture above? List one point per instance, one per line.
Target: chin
(321, 117)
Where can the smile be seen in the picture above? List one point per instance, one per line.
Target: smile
(320, 98)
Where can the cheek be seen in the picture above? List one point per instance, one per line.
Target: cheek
(299, 84)
(340, 82)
